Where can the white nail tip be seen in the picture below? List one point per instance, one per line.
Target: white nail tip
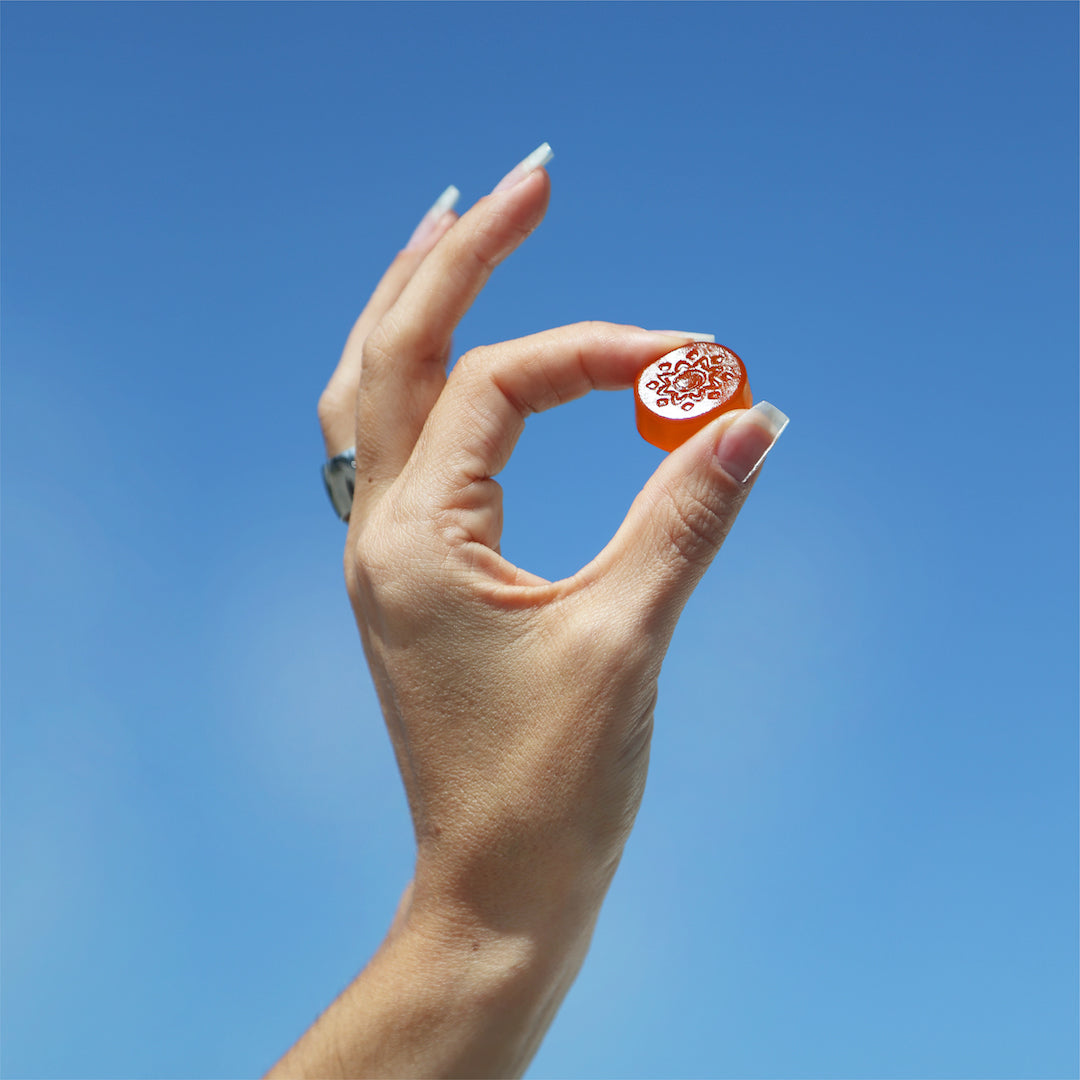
(690, 334)
(540, 156)
(446, 201)
(776, 419)
(430, 221)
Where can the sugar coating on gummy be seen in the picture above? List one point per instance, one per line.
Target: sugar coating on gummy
(684, 390)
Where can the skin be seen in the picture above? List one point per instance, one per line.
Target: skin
(520, 710)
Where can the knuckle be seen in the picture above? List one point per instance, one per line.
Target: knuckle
(380, 573)
(595, 328)
(485, 256)
(494, 238)
(397, 342)
(369, 554)
(331, 407)
(469, 362)
(366, 565)
(697, 527)
(475, 366)
(378, 349)
(352, 574)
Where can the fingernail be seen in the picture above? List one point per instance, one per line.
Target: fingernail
(446, 201)
(688, 334)
(744, 445)
(540, 156)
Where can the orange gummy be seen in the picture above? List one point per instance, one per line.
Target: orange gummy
(677, 395)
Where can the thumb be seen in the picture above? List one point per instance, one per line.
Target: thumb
(676, 525)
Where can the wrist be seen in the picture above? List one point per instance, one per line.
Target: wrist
(483, 995)
(443, 996)
(508, 874)
(528, 944)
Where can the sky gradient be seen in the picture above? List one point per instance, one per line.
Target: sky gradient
(857, 852)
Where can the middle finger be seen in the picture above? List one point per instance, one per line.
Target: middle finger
(404, 359)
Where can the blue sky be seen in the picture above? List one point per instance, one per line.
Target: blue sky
(857, 852)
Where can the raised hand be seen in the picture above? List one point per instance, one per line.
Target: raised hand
(520, 709)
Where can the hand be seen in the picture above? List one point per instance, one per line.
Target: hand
(520, 709)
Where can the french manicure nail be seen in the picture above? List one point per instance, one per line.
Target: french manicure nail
(540, 156)
(428, 223)
(689, 334)
(745, 444)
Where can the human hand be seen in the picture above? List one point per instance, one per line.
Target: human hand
(520, 709)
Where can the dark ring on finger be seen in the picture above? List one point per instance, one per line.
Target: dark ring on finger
(339, 476)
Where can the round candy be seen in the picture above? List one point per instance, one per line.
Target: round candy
(681, 392)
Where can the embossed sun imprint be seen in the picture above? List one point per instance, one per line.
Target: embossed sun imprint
(706, 372)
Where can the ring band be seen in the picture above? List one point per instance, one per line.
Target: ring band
(339, 476)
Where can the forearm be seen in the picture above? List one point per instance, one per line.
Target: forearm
(444, 998)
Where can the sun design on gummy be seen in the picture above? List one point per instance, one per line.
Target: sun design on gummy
(706, 372)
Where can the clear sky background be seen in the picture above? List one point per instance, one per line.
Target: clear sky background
(857, 855)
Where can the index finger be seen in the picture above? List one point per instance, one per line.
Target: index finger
(477, 421)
